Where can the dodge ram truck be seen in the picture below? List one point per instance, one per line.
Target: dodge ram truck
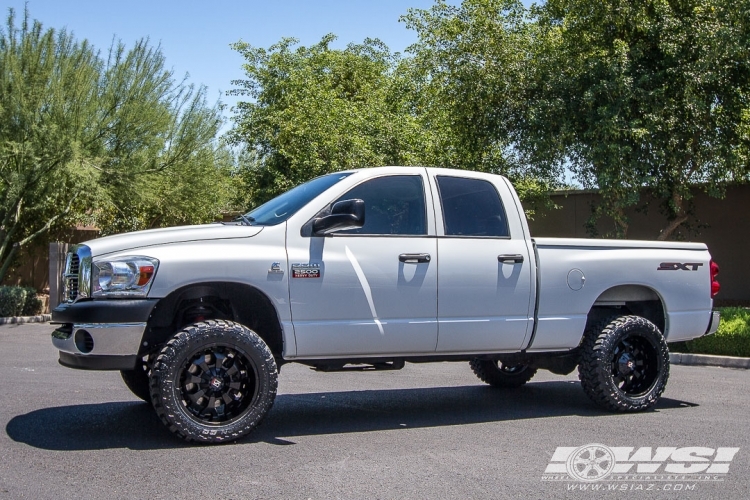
(369, 269)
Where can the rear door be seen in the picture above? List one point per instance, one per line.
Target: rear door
(484, 275)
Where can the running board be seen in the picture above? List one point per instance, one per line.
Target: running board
(360, 367)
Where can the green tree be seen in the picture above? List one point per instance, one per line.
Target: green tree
(159, 161)
(314, 110)
(650, 94)
(468, 65)
(472, 65)
(105, 141)
(453, 103)
(47, 84)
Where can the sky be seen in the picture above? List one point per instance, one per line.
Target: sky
(195, 35)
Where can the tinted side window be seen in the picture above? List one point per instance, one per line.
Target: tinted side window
(393, 205)
(471, 207)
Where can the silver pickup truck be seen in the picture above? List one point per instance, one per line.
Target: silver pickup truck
(369, 269)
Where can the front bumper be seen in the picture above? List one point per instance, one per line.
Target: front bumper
(101, 334)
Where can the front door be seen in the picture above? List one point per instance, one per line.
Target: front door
(373, 290)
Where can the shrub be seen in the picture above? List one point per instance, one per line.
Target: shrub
(731, 339)
(33, 304)
(12, 299)
(19, 301)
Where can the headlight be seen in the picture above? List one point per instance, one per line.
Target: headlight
(123, 276)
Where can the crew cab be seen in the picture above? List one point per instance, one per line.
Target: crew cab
(370, 269)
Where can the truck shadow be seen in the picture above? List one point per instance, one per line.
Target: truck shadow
(134, 425)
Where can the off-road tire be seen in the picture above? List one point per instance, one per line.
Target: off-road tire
(497, 374)
(219, 363)
(624, 364)
(137, 381)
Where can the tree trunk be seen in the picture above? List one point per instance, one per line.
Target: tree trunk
(621, 223)
(8, 260)
(679, 218)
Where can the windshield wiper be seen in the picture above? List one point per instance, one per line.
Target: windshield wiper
(247, 221)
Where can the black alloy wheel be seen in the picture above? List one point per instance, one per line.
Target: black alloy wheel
(217, 384)
(624, 364)
(498, 374)
(213, 382)
(634, 365)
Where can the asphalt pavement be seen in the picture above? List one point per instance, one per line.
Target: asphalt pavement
(427, 431)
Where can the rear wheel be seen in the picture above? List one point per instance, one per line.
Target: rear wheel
(499, 374)
(624, 364)
(213, 382)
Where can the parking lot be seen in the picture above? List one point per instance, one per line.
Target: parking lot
(427, 431)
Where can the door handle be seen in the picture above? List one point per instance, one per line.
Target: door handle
(516, 258)
(414, 258)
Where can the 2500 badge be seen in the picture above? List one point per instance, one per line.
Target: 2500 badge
(305, 270)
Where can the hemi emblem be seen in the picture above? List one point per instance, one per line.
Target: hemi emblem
(276, 268)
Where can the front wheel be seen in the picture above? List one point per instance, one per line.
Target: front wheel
(499, 374)
(213, 382)
(624, 364)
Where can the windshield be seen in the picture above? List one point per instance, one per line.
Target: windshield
(285, 205)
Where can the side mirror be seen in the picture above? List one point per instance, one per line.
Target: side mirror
(346, 214)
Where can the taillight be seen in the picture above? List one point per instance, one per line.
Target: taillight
(715, 287)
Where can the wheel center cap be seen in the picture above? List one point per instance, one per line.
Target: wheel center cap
(626, 364)
(216, 383)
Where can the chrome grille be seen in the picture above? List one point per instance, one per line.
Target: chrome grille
(76, 274)
(70, 277)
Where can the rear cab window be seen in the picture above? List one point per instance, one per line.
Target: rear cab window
(471, 208)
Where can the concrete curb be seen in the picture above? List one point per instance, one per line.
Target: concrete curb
(681, 358)
(19, 320)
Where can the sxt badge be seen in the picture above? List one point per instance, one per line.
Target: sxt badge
(675, 266)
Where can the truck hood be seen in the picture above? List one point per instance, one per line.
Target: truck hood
(179, 234)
